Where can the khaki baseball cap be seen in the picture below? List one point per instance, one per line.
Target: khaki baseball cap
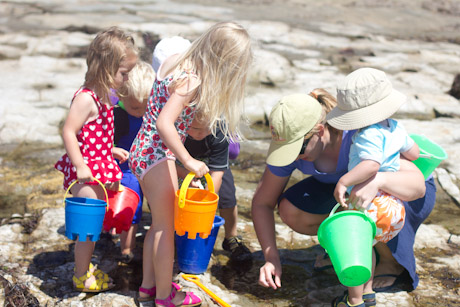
(290, 120)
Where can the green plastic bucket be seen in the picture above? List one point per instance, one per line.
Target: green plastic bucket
(347, 237)
(431, 154)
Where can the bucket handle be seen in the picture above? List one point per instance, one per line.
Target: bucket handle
(195, 279)
(338, 205)
(334, 209)
(426, 156)
(188, 179)
(100, 183)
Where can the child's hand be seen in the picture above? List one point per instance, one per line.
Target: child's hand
(84, 174)
(196, 184)
(114, 186)
(120, 154)
(339, 194)
(198, 167)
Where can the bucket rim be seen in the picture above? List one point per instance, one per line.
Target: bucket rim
(333, 217)
(96, 202)
(415, 136)
(201, 202)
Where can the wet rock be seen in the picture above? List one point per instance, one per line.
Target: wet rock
(455, 89)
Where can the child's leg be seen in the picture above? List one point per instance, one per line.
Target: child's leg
(84, 250)
(368, 285)
(128, 240)
(355, 295)
(230, 216)
(159, 186)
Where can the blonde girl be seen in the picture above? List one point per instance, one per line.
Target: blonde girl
(88, 138)
(206, 82)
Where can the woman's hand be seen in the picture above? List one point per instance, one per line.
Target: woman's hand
(267, 272)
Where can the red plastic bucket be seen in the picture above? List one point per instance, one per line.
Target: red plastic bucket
(122, 206)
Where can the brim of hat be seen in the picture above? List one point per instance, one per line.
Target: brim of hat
(372, 114)
(283, 154)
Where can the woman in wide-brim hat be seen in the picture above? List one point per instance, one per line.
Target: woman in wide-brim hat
(302, 140)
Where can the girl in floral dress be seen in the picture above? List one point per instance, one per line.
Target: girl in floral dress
(207, 82)
(88, 138)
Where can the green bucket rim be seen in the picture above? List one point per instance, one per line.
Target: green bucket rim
(333, 216)
(444, 156)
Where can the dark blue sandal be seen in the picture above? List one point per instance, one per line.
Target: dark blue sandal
(342, 301)
(399, 279)
(368, 298)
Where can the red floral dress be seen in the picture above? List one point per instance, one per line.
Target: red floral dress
(148, 149)
(95, 139)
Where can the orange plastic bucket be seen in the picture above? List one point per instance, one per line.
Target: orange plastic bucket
(122, 206)
(194, 209)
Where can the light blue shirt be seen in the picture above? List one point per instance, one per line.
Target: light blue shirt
(382, 143)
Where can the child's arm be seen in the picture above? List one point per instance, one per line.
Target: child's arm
(360, 173)
(412, 154)
(120, 154)
(168, 133)
(81, 109)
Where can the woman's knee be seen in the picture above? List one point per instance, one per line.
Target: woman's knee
(298, 220)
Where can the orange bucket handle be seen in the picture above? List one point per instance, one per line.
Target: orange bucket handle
(100, 183)
(188, 179)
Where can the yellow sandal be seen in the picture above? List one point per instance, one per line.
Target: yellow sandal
(99, 274)
(97, 286)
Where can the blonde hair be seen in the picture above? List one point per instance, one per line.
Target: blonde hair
(328, 102)
(221, 58)
(140, 81)
(105, 53)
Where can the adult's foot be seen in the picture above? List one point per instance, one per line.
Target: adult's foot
(386, 274)
(323, 262)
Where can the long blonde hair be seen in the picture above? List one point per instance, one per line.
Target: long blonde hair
(328, 102)
(221, 58)
(105, 53)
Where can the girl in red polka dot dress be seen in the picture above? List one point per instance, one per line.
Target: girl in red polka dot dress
(88, 139)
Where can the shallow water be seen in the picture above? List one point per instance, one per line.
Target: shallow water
(30, 183)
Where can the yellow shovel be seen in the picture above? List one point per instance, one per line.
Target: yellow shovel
(195, 279)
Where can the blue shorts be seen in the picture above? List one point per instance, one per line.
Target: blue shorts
(130, 181)
(312, 196)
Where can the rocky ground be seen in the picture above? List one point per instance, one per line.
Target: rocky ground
(298, 45)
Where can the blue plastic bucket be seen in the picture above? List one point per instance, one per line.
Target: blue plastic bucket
(193, 255)
(84, 217)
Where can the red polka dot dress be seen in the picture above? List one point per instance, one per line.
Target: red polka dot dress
(95, 140)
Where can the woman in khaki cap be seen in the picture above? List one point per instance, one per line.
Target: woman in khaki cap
(301, 139)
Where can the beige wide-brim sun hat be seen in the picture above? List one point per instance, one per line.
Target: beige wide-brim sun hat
(290, 120)
(364, 97)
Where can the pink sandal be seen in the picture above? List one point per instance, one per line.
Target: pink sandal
(190, 300)
(152, 292)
